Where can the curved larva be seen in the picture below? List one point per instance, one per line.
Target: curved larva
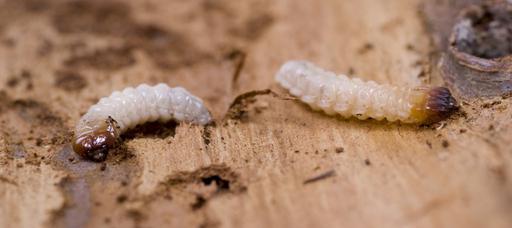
(99, 129)
(338, 94)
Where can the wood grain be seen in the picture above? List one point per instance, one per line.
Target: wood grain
(248, 171)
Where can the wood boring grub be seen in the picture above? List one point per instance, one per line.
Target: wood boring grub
(352, 97)
(100, 128)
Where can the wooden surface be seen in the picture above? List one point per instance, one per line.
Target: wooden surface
(254, 168)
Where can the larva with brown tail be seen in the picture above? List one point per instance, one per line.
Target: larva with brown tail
(100, 128)
(338, 94)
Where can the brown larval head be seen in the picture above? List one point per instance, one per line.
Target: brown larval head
(433, 105)
(95, 145)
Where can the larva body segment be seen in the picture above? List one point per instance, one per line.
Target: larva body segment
(338, 94)
(99, 129)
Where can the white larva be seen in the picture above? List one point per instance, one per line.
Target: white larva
(338, 94)
(99, 129)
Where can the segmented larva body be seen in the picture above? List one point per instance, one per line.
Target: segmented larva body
(338, 94)
(99, 129)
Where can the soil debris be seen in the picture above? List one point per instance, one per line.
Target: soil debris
(485, 31)
(367, 47)
(166, 48)
(152, 130)
(206, 133)
(254, 27)
(108, 59)
(325, 175)
(238, 108)
(7, 180)
(445, 143)
(238, 57)
(70, 80)
(199, 203)
(121, 198)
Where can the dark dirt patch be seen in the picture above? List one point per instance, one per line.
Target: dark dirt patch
(255, 26)
(224, 179)
(222, 184)
(4, 101)
(199, 203)
(206, 134)
(485, 31)
(204, 184)
(69, 80)
(136, 215)
(367, 47)
(8, 181)
(192, 190)
(215, 6)
(168, 49)
(105, 18)
(12, 82)
(108, 59)
(490, 104)
(238, 108)
(34, 112)
(34, 6)
(152, 130)
(103, 166)
(121, 198)
(465, 33)
(10, 10)
(28, 123)
(445, 143)
(23, 78)
(250, 27)
(121, 154)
